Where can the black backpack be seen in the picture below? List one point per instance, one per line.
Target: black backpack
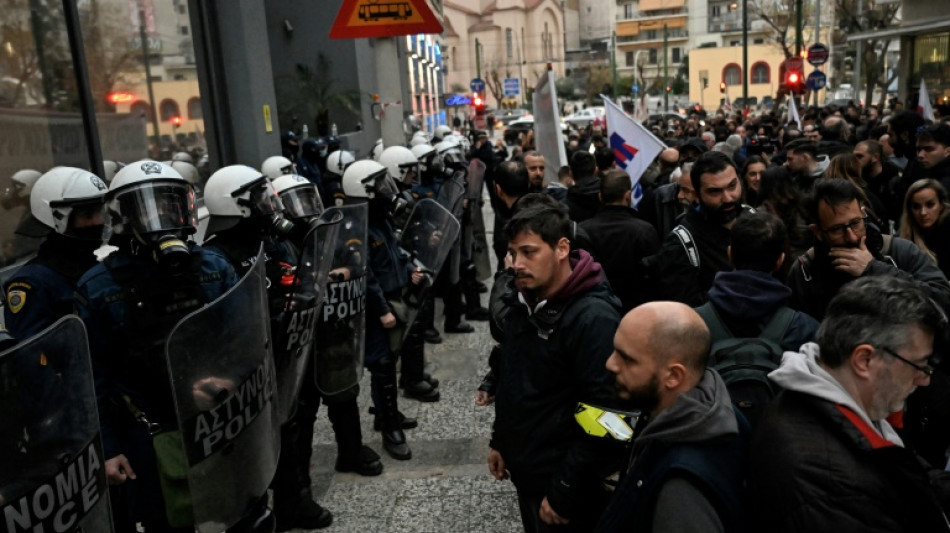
(745, 362)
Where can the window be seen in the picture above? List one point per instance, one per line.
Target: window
(758, 41)
(651, 35)
(676, 55)
(628, 11)
(760, 73)
(168, 109)
(183, 30)
(629, 59)
(734, 43)
(715, 11)
(732, 74)
(194, 109)
(141, 109)
(509, 45)
(653, 55)
(182, 9)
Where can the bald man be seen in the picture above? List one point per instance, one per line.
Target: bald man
(685, 470)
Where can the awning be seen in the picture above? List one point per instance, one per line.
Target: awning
(909, 29)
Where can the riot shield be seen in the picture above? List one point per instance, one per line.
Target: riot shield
(296, 324)
(426, 242)
(222, 374)
(452, 192)
(338, 357)
(52, 469)
(476, 179)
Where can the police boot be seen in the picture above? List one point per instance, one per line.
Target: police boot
(412, 378)
(394, 440)
(308, 514)
(405, 422)
(452, 297)
(352, 455)
(426, 317)
(259, 519)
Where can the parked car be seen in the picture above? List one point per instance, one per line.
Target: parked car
(507, 116)
(527, 123)
(585, 117)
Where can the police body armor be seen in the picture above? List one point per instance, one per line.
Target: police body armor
(426, 241)
(223, 383)
(338, 357)
(52, 469)
(295, 322)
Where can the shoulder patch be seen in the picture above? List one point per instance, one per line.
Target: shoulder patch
(16, 299)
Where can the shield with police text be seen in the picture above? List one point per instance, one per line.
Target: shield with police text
(338, 356)
(475, 180)
(52, 469)
(223, 382)
(452, 192)
(426, 242)
(474, 241)
(295, 326)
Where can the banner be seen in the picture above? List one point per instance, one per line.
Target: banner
(923, 102)
(548, 137)
(633, 145)
(793, 112)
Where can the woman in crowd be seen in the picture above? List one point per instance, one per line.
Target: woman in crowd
(752, 179)
(925, 220)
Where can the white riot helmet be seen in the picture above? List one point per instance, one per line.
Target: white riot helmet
(441, 132)
(428, 158)
(187, 171)
(416, 141)
(236, 192)
(147, 197)
(366, 179)
(184, 157)
(338, 161)
(403, 166)
(450, 150)
(276, 166)
(110, 167)
(59, 196)
(299, 196)
(377, 150)
(18, 193)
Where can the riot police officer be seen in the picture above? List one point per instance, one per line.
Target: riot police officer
(246, 214)
(337, 162)
(276, 166)
(130, 303)
(368, 181)
(66, 208)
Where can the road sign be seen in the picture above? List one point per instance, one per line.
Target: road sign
(386, 18)
(477, 85)
(512, 86)
(817, 80)
(794, 63)
(817, 54)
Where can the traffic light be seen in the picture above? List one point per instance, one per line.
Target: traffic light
(176, 121)
(794, 82)
(477, 101)
(668, 88)
(722, 87)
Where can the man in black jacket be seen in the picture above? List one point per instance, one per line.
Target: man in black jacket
(824, 457)
(559, 317)
(695, 251)
(619, 240)
(582, 198)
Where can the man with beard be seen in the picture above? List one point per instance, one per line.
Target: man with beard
(559, 314)
(825, 457)
(695, 251)
(880, 175)
(534, 163)
(690, 443)
(848, 248)
(805, 164)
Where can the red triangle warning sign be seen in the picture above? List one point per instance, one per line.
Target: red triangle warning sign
(383, 18)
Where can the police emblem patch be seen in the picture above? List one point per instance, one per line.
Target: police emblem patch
(15, 300)
(151, 167)
(97, 183)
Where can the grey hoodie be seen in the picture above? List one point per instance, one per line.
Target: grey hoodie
(701, 414)
(800, 372)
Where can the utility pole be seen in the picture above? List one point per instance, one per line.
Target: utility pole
(478, 58)
(666, 68)
(613, 61)
(858, 55)
(798, 28)
(389, 89)
(148, 77)
(817, 35)
(745, 54)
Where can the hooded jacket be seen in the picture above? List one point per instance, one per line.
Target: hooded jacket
(689, 457)
(819, 463)
(746, 300)
(552, 356)
(583, 200)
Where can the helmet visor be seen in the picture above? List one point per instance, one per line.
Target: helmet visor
(385, 185)
(409, 174)
(301, 202)
(262, 198)
(159, 206)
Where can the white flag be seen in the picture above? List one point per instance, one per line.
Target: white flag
(548, 137)
(633, 145)
(793, 112)
(923, 102)
(727, 105)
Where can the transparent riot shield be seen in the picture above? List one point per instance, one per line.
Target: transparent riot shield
(222, 374)
(338, 356)
(52, 469)
(452, 192)
(295, 326)
(426, 242)
(476, 179)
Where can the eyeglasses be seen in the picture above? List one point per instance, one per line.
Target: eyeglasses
(857, 225)
(928, 370)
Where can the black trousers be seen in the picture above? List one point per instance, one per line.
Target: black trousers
(530, 505)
